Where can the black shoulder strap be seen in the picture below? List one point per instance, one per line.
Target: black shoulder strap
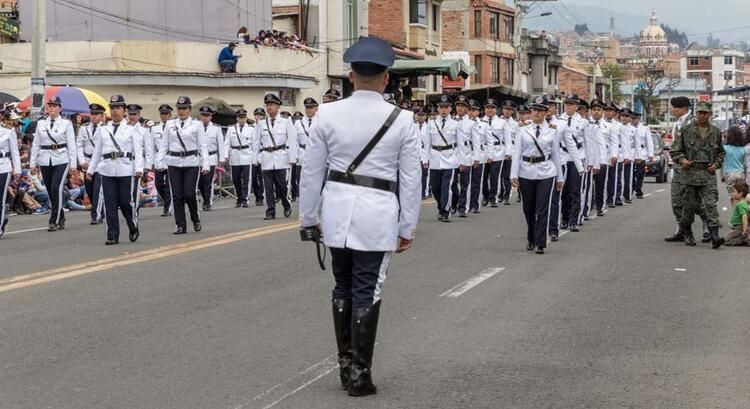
(374, 141)
(268, 126)
(112, 137)
(50, 136)
(177, 130)
(539, 148)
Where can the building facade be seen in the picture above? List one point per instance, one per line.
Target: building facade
(654, 42)
(721, 69)
(543, 59)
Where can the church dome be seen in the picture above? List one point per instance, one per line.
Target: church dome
(653, 32)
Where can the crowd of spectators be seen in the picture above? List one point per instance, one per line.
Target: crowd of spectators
(270, 38)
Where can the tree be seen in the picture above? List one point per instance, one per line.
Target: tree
(614, 72)
(675, 36)
(652, 77)
(581, 29)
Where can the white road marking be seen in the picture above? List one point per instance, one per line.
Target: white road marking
(659, 190)
(26, 231)
(647, 195)
(472, 282)
(680, 269)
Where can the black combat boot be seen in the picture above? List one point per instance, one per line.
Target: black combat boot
(716, 239)
(342, 324)
(687, 232)
(707, 237)
(677, 237)
(364, 328)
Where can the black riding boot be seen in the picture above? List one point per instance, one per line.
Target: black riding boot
(677, 237)
(342, 324)
(364, 328)
(688, 234)
(716, 239)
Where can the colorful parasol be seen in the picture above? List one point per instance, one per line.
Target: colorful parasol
(74, 100)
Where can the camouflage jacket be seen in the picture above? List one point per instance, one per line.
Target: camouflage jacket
(688, 145)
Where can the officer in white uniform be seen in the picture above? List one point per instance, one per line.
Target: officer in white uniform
(536, 166)
(478, 135)
(627, 143)
(614, 172)
(462, 178)
(445, 136)
(161, 179)
(495, 153)
(363, 213)
(275, 145)
(10, 167)
(118, 161)
(421, 128)
(591, 143)
(148, 150)
(256, 172)
(304, 126)
(211, 133)
(53, 151)
(644, 152)
(185, 153)
(600, 130)
(510, 129)
(239, 141)
(86, 145)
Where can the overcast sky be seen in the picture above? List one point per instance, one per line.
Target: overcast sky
(690, 16)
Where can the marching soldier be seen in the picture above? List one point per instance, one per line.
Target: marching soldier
(495, 153)
(421, 129)
(627, 142)
(524, 116)
(601, 133)
(304, 128)
(644, 151)
(510, 129)
(364, 215)
(573, 159)
(239, 141)
(147, 143)
(185, 153)
(614, 174)
(211, 133)
(86, 145)
(445, 136)
(592, 144)
(698, 150)
(161, 180)
(256, 172)
(478, 136)
(275, 144)
(53, 152)
(118, 158)
(10, 167)
(462, 178)
(536, 166)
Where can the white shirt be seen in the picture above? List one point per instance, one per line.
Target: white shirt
(453, 133)
(495, 138)
(9, 145)
(644, 143)
(479, 134)
(509, 135)
(357, 217)
(627, 135)
(595, 136)
(549, 141)
(85, 144)
(47, 134)
(421, 133)
(239, 144)
(189, 131)
(157, 134)
(214, 141)
(614, 140)
(148, 151)
(129, 139)
(284, 133)
(570, 129)
(466, 149)
(304, 129)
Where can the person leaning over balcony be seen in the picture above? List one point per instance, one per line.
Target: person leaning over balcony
(227, 59)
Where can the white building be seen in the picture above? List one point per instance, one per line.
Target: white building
(654, 41)
(722, 69)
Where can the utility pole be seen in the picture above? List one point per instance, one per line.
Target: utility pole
(38, 58)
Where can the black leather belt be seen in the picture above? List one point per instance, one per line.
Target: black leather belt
(535, 159)
(700, 165)
(183, 154)
(499, 143)
(364, 181)
(274, 148)
(87, 156)
(302, 146)
(444, 147)
(54, 146)
(117, 155)
(4, 155)
(212, 153)
(643, 147)
(240, 147)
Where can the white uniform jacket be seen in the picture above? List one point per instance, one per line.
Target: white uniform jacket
(239, 144)
(421, 132)
(627, 142)
(356, 217)
(644, 143)
(479, 134)
(614, 140)
(51, 136)
(448, 157)
(10, 160)
(130, 141)
(304, 129)
(595, 143)
(157, 134)
(189, 131)
(147, 151)
(215, 142)
(495, 138)
(570, 130)
(509, 136)
(466, 149)
(549, 141)
(85, 144)
(279, 151)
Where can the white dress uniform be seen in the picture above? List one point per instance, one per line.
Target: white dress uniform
(10, 164)
(275, 146)
(536, 165)
(614, 172)
(566, 205)
(161, 179)
(495, 157)
(185, 152)
(627, 142)
(86, 145)
(304, 129)
(54, 152)
(444, 136)
(211, 133)
(644, 150)
(478, 135)
(461, 180)
(421, 133)
(117, 159)
(510, 129)
(239, 141)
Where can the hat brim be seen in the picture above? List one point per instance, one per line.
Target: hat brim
(444, 104)
(463, 103)
(539, 107)
(183, 106)
(117, 104)
(311, 105)
(54, 103)
(704, 110)
(165, 111)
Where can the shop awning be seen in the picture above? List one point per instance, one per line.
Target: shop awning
(449, 68)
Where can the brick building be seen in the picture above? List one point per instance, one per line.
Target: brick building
(572, 81)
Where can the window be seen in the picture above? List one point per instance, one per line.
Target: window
(495, 25)
(508, 25)
(727, 75)
(693, 61)
(478, 67)
(435, 17)
(477, 23)
(351, 32)
(508, 71)
(494, 70)
(727, 60)
(418, 12)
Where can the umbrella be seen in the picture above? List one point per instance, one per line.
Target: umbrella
(74, 100)
(6, 98)
(223, 112)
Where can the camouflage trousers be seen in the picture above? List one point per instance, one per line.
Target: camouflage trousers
(700, 199)
(678, 199)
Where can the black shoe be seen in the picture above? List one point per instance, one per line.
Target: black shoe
(539, 250)
(166, 213)
(293, 199)
(518, 199)
(564, 226)
(238, 204)
(639, 196)
(446, 219)
(586, 218)
(677, 237)
(270, 217)
(529, 246)
(61, 225)
(619, 203)
(475, 211)
(364, 330)
(706, 237)
(3, 227)
(628, 201)
(245, 204)
(600, 213)
(507, 203)
(180, 230)
(574, 228)
(287, 212)
(94, 222)
(688, 237)
(133, 236)
(716, 239)
(493, 204)
(52, 227)
(611, 205)
(259, 202)
(462, 213)
(485, 202)
(111, 242)
(206, 208)
(453, 210)
(554, 237)
(197, 226)
(342, 325)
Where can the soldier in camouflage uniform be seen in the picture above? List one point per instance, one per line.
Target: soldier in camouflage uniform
(698, 151)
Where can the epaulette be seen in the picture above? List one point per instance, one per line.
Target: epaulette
(553, 126)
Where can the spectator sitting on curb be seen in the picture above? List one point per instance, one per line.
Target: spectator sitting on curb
(740, 230)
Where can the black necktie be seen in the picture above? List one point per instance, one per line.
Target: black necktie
(163, 125)
(273, 122)
(443, 126)
(205, 127)
(182, 123)
(538, 130)
(309, 122)
(115, 126)
(51, 123)
(241, 126)
(420, 127)
(93, 132)
(570, 118)
(490, 120)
